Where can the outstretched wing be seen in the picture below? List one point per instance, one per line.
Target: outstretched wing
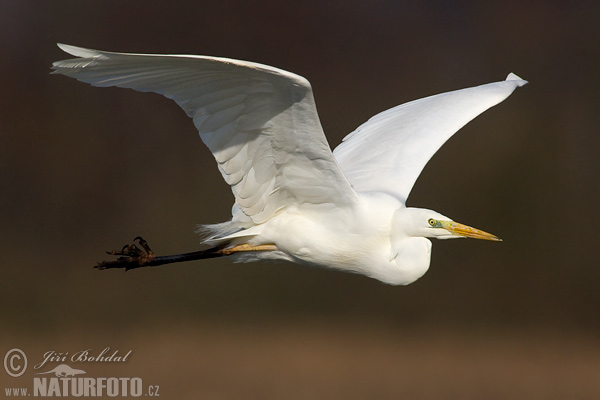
(388, 152)
(259, 122)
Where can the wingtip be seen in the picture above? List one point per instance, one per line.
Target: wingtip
(67, 48)
(514, 77)
(78, 51)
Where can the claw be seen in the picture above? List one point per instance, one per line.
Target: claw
(131, 256)
(130, 250)
(144, 245)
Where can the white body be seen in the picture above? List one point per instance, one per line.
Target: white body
(358, 239)
(343, 209)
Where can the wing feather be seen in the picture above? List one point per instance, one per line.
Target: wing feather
(259, 122)
(388, 152)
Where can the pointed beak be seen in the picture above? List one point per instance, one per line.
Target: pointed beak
(463, 230)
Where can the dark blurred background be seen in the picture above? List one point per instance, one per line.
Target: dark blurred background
(85, 169)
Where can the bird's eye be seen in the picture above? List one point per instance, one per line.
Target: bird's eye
(431, 221)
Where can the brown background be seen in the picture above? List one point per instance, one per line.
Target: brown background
(84, 170)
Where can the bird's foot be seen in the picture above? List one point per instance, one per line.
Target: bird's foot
(131, 256)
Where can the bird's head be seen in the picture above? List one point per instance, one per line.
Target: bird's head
(428, 223)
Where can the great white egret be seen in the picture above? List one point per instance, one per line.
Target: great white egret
(295, 199)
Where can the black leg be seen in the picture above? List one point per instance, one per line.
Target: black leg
(131, 256)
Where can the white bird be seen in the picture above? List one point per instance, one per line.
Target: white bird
(295, 199)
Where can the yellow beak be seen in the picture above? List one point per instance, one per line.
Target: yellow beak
(463, 230)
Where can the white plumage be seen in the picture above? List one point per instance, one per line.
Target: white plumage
(294, 198)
